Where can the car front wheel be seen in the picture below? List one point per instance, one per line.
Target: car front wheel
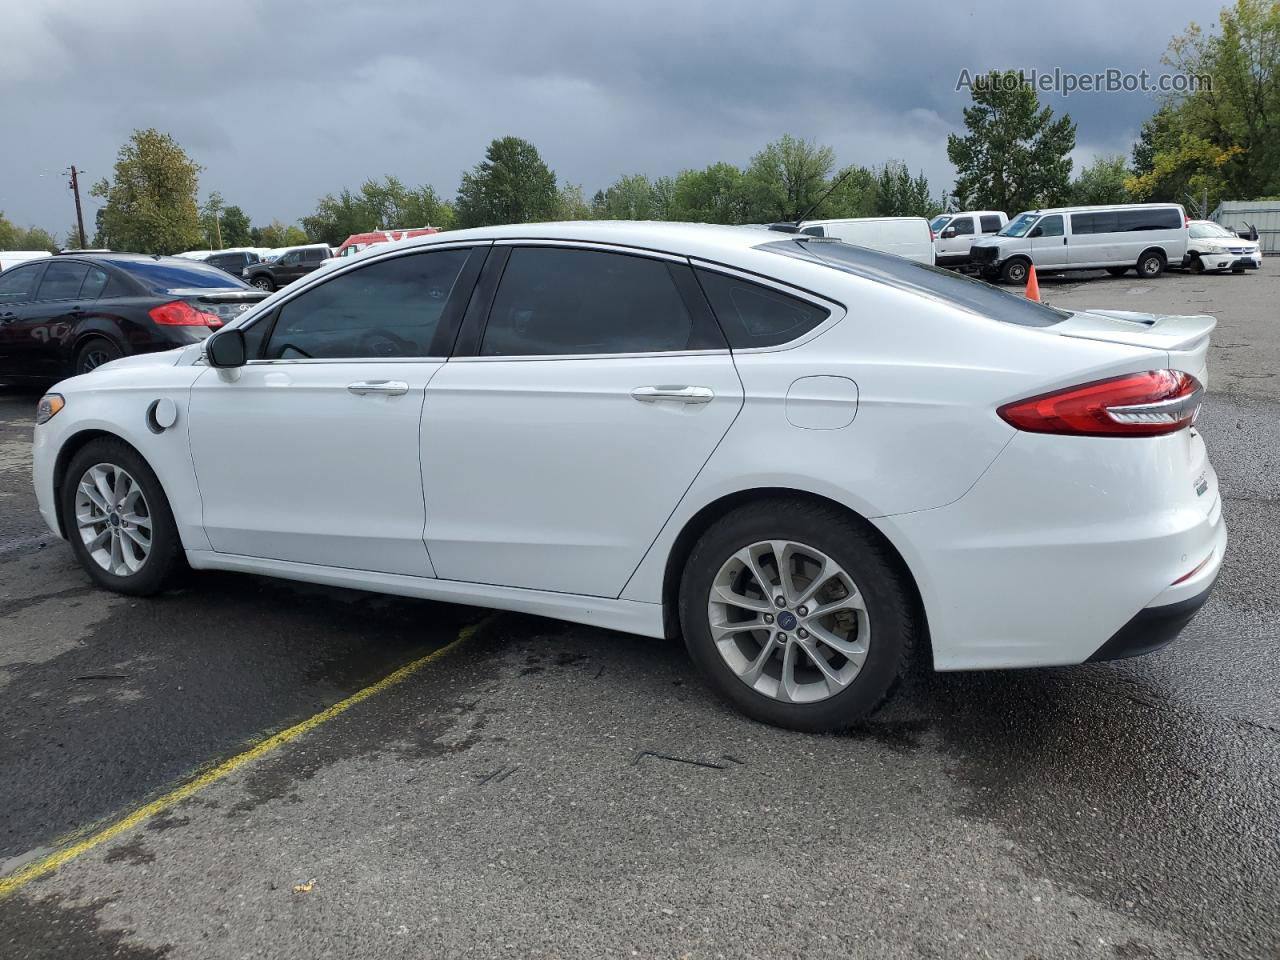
(798, 614)
(263, 283)
(118, 520)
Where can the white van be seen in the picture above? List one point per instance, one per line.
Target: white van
(11, 258)
(907, 237)
(1142, 236)
(955, 233)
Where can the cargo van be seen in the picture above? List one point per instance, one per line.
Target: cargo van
(954, 235)
(907, 237)
(1138, 236)
(11, 258)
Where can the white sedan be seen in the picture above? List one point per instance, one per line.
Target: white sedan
(818, 462)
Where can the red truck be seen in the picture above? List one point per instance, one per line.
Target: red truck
(358, 241)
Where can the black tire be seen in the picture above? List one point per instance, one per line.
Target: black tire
(1151, 264)
(1196, 265)
(165, 557)
(1015, 271)
(263, 282)
(93, 353)
(1117, 271)
(891, 608)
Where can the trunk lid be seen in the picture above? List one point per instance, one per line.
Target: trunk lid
(1184, 339)
(227, 304)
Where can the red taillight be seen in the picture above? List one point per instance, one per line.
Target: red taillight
(179, 313)
(1136, 405)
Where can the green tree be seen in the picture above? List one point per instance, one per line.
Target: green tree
(1015, 156)
(235, 228)
(1222, 138)
(629, 198)
(787, 178)
(664, 189)
(511, 184)
(211, 221)
(276, 234)
(715, 194)
(853, 194)
(1102, 181)
(899, 194)
(13, 237)
(571, 204)
(149, 205)
(338, 217)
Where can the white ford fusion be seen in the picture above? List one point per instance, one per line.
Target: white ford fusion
(817, 462)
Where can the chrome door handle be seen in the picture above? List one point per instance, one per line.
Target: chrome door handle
(679, 394)
(387, 388)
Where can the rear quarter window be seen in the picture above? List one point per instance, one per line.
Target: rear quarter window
(753, 315)
(966, 293)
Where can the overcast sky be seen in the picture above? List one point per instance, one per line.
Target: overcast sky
(282, 101)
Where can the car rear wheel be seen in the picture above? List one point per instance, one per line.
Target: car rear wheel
(798, 614)
(1151, 264)
(263, 283)
(94, 353)
(1014, 271)
(118, 520)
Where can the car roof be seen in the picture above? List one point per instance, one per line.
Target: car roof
(709, 241)
(1104, 207)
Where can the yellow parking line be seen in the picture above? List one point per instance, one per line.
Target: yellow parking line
(193, 786)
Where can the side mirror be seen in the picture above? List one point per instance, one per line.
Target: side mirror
(948, 233)
(1037, 232)
(226, 349)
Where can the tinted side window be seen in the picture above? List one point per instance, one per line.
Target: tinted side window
(963, 226)
(62, 281)
(990, 224)
(1133, 220)
(313, 256)
(1051, 226)
(558, 302)
(752, 315)
(18, 285)
(1082, 223)
(385, 309)
(94, 283)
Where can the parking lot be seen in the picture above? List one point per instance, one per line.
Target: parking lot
(269, 784)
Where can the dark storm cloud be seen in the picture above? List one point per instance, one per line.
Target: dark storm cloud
(284, 101)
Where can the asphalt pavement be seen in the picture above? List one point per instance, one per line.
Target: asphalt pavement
(545, 790)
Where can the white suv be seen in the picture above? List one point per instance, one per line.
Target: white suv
(1211, 246)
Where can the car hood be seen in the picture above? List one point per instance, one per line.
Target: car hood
(992, 241)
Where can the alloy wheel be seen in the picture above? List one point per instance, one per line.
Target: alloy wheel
(113, 519)
(789, 621)
(93, 359)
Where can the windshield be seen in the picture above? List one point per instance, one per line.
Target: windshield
(167, 274)
(1019, 226)
(967, 293)
(939, 222)
(1203, 231)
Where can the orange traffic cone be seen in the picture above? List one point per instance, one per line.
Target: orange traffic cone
(1033, 285)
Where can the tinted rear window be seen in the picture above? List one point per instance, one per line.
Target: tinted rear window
(173, 274)
(967, 293)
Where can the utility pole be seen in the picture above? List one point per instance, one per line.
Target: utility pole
(75, 188)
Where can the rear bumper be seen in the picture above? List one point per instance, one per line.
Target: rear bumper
(1151, 628)
(1062, 545)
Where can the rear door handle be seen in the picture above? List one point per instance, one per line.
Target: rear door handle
(679, 394)
(387, 388)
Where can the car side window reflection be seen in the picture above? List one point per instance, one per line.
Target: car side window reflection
(19, 284)
(385, 309)
(560, 302)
